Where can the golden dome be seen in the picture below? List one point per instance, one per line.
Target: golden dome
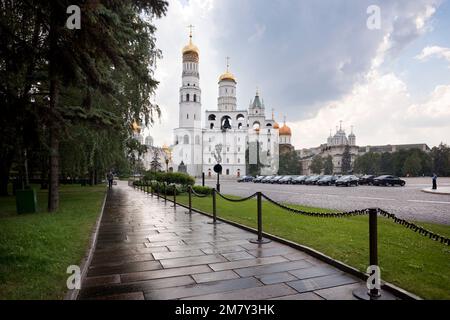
(285, 131)
(165, 147)
(276, 125)
(227, 76)
(136, 127)
(190, 48)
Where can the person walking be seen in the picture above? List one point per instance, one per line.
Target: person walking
(110, 178)
(434, 181)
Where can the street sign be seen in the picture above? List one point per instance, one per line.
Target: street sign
(218, 168)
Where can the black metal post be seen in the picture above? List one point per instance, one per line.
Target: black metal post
(190, 200)
(373, 244)
(214, 207)
(260, 239)
(374, 293)
(218, 182)
(174, 196)
(165, 193)
(157, 191)
(203, 179)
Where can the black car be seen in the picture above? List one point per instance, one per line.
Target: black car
(327, 181)
(267, 179)
(347, 181)
(258, 179)
(313, 180)
(286, 180)
(299, 180)
(388, 181)
(275, 179)
(366, 180)
(246, 179)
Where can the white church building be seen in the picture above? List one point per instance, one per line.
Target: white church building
(225, 133)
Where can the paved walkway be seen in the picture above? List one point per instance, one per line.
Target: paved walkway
(148, 250)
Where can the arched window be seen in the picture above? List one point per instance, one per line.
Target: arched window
(228, 172)
(268, 125)
(195, 98)
(211, 126)
(212, 117)
(240, 117)
(186, 139)
(187, 97)
(240, 126)
(226, 122)
(256, 125)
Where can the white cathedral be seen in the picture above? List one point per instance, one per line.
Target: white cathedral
(227, 132)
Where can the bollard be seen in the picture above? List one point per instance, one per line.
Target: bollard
(372, 293)
(260, 239)
(151, 188)
(174, 196)
(165, 193)
(190, 200)
(214, 206)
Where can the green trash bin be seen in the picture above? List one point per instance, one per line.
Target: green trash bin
(26, 201)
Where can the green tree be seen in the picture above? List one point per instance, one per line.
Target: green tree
(368, 163)
(412, 165)
(346, 162)
(441, 160)
(328, 165)
(289, 163)
(155, 164)
(316, 165)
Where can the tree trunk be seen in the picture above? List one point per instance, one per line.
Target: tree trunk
(5, 166)
(53, 192)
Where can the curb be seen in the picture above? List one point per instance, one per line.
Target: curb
(397, 291)
(86, 260)
(430, 191)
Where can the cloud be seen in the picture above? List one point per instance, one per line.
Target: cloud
(382, 112)
(434, 51)
(307, 57)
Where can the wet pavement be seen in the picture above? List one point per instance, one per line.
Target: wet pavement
(146, 249)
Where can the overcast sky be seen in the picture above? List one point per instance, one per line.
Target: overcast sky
(317, 63)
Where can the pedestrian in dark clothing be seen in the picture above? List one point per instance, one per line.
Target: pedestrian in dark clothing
(434, 181)
(110, 178)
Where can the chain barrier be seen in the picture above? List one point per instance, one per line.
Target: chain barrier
(415, 228)
(197, 194)
(319, 214)
(236, 200)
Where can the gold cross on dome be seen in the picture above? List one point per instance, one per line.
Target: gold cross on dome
(191, 27)
(228, 63)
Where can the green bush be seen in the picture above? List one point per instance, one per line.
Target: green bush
(202, 190)
(158, 187)
(170, 178)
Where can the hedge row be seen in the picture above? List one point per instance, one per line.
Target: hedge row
(169, 178)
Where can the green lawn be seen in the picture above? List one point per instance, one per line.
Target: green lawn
(36, 249)
(406, 259)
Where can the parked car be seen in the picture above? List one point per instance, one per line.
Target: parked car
(312, 180)
(327, 181)
(275, 179)
(286, 180)
(366, 179)
(267, 179)
(347, 181)
(388, 181)
(246, 179)
(258, 179)
(299, 180)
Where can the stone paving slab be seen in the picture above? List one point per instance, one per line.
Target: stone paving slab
(148, 250)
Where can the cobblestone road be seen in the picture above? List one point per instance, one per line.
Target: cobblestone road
(408, 202)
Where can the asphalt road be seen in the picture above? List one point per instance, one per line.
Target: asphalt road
(407, 202)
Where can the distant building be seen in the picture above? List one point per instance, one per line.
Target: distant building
(336, 145)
